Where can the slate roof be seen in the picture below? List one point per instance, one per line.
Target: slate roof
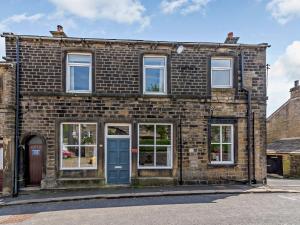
(288, 145)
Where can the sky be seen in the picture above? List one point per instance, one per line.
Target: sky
(276, 22)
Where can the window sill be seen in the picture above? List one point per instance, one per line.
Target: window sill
(155, 94)
(155, 168)
(77, 169)
(216, 165)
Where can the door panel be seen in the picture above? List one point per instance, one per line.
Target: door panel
(35, 164)
(117, 160)
(274, 164)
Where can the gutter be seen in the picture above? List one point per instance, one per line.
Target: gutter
(16, 158)
(212, 44)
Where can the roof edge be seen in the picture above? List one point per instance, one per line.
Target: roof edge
(277, 110)
(11, 35)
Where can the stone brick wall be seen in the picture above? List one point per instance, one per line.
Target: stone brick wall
(285, 122)
(7, 122)
(117, 97)
(295, 165)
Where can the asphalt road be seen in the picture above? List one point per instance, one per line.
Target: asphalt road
(209, 209)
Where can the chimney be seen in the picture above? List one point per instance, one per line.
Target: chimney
(231, 39)
(59, 32)
(295, 91)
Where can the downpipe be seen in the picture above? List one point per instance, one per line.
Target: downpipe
(16, 158)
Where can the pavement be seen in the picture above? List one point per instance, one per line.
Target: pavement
(49, 196)
(216, 209)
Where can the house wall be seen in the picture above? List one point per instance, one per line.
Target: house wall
(117, 97)
(7, 123)
(295, 165)
(285, 122)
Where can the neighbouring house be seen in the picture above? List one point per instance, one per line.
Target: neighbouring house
(283, 137)
(93, 112)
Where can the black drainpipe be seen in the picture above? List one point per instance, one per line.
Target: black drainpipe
(249, 103)
(253, 149)
(181, 153)
(16, 158)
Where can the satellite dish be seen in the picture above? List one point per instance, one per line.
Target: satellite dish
(180, 49)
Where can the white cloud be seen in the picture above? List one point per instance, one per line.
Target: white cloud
(15, 19)
(125, 11)
(183, 6)
(285, 70)
(19, 18)
(284, 10)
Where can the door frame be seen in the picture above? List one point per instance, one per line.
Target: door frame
(106, 136)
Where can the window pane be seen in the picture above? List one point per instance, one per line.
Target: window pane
(79, 76)
(70, 134)
(70, 157)
(163, 156)
(220, 63)
(226, 134)
(221, 77)
(77, 58)
(226, 153)
(215, 134)
(146, 156)
(154, 61)
(88, 134)
(154, 80)
(146, 134)
(215, 152)
(118, 130)
(163, 135)
(88, 157)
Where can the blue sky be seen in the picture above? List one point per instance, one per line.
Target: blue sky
(254, 21)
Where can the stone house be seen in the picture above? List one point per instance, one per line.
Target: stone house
(283, 137)
(94, 112)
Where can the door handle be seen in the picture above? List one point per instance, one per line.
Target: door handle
(118, 167)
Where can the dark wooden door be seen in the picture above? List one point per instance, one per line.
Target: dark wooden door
(274, 164)
(35, 164)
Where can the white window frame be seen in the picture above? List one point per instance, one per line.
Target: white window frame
(68, 73)
(222, 69)
(154, 67)
(221, 144)
(79, 147)
(154, 145)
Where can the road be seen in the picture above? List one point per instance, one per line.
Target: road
(206, 209)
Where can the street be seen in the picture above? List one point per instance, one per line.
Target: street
(279, 208)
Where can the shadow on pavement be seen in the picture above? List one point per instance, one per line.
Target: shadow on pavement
(110, 203)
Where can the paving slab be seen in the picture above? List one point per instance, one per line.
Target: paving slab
(46, 196)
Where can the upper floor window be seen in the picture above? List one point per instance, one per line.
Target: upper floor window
(222, 145)
(155, 75)
(79, 73)
(221, 72)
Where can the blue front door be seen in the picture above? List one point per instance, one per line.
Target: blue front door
(117, 160)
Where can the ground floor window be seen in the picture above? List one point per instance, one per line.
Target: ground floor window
(155, 143)
(222, 145)
(78, 146)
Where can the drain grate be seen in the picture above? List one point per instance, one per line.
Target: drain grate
(15, 218)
